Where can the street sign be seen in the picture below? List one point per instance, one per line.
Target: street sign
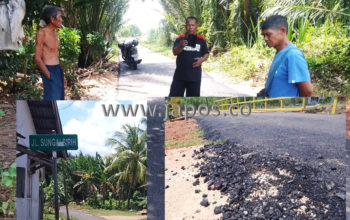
(53, 142)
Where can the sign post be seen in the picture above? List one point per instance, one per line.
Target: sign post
(54, 143)
(55, 182)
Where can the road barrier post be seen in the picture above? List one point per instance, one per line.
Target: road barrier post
(335, 101)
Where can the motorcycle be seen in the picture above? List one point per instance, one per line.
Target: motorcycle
(130, 54)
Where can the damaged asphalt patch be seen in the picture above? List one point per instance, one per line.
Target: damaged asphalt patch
(276, 165)
(264, 186)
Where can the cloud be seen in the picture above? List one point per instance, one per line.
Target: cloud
(95, 128)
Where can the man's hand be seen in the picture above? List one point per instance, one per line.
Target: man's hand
(198, 63)
(183, 43)
(178, 49)
(47, 75)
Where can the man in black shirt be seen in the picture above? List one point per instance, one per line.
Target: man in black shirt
(191, 51)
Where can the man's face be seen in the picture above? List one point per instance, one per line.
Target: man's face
(191, 26)
(57, 22)
(274, 37)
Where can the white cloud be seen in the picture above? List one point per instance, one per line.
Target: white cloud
(96, 128)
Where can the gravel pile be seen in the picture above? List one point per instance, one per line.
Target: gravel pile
(266, 186)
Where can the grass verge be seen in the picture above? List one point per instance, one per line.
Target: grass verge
(166, 51)
(103, 212)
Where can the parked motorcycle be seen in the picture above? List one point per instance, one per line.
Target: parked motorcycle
(130, 54)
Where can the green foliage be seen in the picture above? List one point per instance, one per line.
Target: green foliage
(34, 9)
(159, 37)
(69, 53)
(97, 16)
(327, 50)
(129, 161)
(12, 63)
(96, 45)
(242, 62)
(130, 31)
(50, 193)
(8, 179)
(69, 48)
(139, 200)
(2, 114)
(315, 11)
(21, 62)
(198, 101)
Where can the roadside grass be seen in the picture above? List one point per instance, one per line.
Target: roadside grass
(327, 108)
(49, 215)
(103, 212)
(196, 138)
(166, 51)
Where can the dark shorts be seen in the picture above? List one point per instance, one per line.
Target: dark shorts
(53, 87)
(178, 88)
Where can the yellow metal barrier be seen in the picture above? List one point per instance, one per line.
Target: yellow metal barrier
(224, 104)
(173, 101)
(335, 101)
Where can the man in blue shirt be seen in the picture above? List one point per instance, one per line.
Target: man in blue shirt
(288, 75)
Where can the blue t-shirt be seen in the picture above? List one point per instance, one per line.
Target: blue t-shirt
(294, 69)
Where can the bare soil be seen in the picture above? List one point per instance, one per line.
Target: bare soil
(100, 87)
(181, 199)
(180, 130)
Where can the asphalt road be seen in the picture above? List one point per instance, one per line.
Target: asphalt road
(154, 76)
(155, 162)
(314, 139)
(79, 214)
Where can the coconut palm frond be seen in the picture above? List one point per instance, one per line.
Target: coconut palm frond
(298, 9)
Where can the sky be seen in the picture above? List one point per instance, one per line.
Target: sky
(144, 14)
(87, 120)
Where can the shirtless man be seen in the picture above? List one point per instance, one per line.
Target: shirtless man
(46, 54)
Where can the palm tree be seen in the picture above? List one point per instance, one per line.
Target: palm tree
(129, 161)
(296, 9)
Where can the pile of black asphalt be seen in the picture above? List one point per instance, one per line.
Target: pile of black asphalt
(275, 165)
(266, 186)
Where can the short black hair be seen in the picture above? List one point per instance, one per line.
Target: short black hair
(50, 11)
(191, 18)
(275, 22)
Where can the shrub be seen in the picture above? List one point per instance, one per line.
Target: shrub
(8, 179)
(242, 62)
(69, 48)
(20, 63)
(139, 200)
(96, 43)
(327, 50)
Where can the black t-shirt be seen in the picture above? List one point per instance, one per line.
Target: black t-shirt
(184, 61)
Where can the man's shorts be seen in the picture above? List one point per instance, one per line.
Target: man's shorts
(53, 87)
(178, 88)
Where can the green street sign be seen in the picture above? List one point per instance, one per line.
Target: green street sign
(53, 142)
